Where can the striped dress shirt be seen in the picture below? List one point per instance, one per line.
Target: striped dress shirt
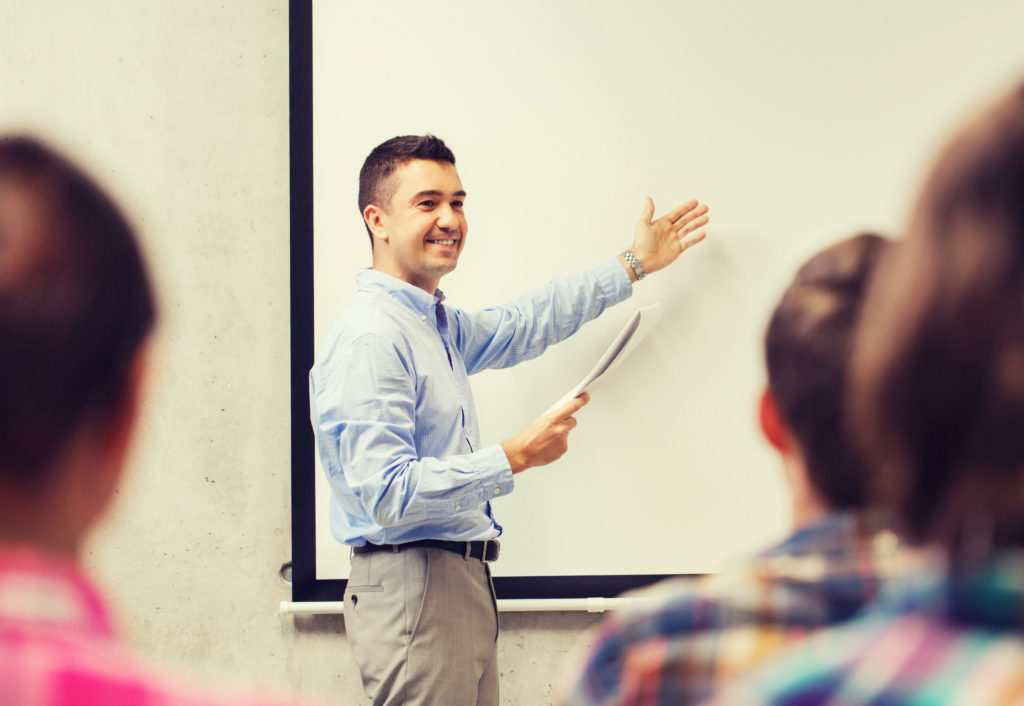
(393, 414)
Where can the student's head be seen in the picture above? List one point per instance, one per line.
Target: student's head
(412, 203)
(938, 402)
(807, 350)
(75, 309)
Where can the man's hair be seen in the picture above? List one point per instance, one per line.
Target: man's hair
(375, 183)
(75, 305)
(807, 350)
(939, 363)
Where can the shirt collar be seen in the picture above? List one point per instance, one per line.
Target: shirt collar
(837, 531)
(408, 295)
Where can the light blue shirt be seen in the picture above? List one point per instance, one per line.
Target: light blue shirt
(395, 424)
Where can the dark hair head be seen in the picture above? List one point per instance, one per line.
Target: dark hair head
(807, 350)
(375, 183)
(939, 364)
(75, 305)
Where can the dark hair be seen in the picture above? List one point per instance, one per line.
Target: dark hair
(807, 349)
(375, 183)
(75, 305)
(939, 363)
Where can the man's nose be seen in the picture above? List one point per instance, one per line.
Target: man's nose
(447, 218)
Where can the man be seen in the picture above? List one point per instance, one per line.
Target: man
(689, 635)
(76, 309)
(937, 405)
(397, 430)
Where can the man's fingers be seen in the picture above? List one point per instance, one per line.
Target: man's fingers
(572, 406)
(681, 210)
(692, 225)
(688, 241)
(691, 215)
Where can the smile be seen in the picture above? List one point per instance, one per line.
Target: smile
(448, 241)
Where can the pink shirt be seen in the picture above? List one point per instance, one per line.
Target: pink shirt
(58, 647)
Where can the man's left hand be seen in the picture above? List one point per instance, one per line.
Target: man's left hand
(657, 243)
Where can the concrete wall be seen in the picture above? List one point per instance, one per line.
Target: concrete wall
(181, 108)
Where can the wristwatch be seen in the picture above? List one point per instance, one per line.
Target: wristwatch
(631, 260)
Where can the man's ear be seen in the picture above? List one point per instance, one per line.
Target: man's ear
(773, 426)
(374, 218)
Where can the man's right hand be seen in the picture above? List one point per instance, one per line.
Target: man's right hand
(544, 439)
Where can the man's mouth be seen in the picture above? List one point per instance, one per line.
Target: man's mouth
(442, 241)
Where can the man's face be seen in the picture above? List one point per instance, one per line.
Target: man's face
(420, 233)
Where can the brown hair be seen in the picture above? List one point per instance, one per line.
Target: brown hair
(375, 183)
(938, 369)
(808, 345)
(75, 305)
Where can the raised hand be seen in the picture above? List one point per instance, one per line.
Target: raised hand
(657, 243)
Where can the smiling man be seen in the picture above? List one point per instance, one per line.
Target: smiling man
(397, 429)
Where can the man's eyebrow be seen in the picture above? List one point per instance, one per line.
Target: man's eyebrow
(436, 193)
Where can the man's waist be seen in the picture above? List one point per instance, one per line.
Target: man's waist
(483, 550)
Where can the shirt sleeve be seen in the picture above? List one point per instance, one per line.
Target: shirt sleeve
(365, 419)
(499, 337)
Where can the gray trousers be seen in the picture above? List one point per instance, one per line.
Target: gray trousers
(423, 625)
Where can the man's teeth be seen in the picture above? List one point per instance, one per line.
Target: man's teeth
(449, 241)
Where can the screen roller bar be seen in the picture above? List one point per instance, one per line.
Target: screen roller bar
(505, 605)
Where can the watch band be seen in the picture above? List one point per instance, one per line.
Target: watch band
(631, 260)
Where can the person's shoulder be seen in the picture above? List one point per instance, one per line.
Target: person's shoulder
(112, 672)
(367, 320)
(676, 607)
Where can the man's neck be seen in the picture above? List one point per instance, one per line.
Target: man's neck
(429, 286)
(807, 506)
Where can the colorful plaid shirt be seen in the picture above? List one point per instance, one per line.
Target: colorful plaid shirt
(57, 646)
(932, 638)
(690, 635)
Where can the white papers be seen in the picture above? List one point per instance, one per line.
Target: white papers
(635, 330)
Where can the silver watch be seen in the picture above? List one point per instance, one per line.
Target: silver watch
(638, 269)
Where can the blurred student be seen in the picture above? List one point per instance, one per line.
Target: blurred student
(76, 310)
(938, 407)
(690, 635)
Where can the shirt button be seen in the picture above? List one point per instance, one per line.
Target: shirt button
(497, 491)
(423, 318)
(457, 508)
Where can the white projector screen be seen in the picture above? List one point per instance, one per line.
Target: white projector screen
(798, 122)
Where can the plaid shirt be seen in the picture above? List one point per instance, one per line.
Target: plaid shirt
(930, 639)
(57, 646)
(691, 634)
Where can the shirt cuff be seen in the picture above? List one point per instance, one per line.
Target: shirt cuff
(615, 283)
(501, 481)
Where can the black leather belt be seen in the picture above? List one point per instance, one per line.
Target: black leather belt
(486, 550)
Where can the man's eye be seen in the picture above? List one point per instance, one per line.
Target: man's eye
(457, 204)
(427, 204)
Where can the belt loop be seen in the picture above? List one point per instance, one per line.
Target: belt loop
(395, 548)
(469, 551)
